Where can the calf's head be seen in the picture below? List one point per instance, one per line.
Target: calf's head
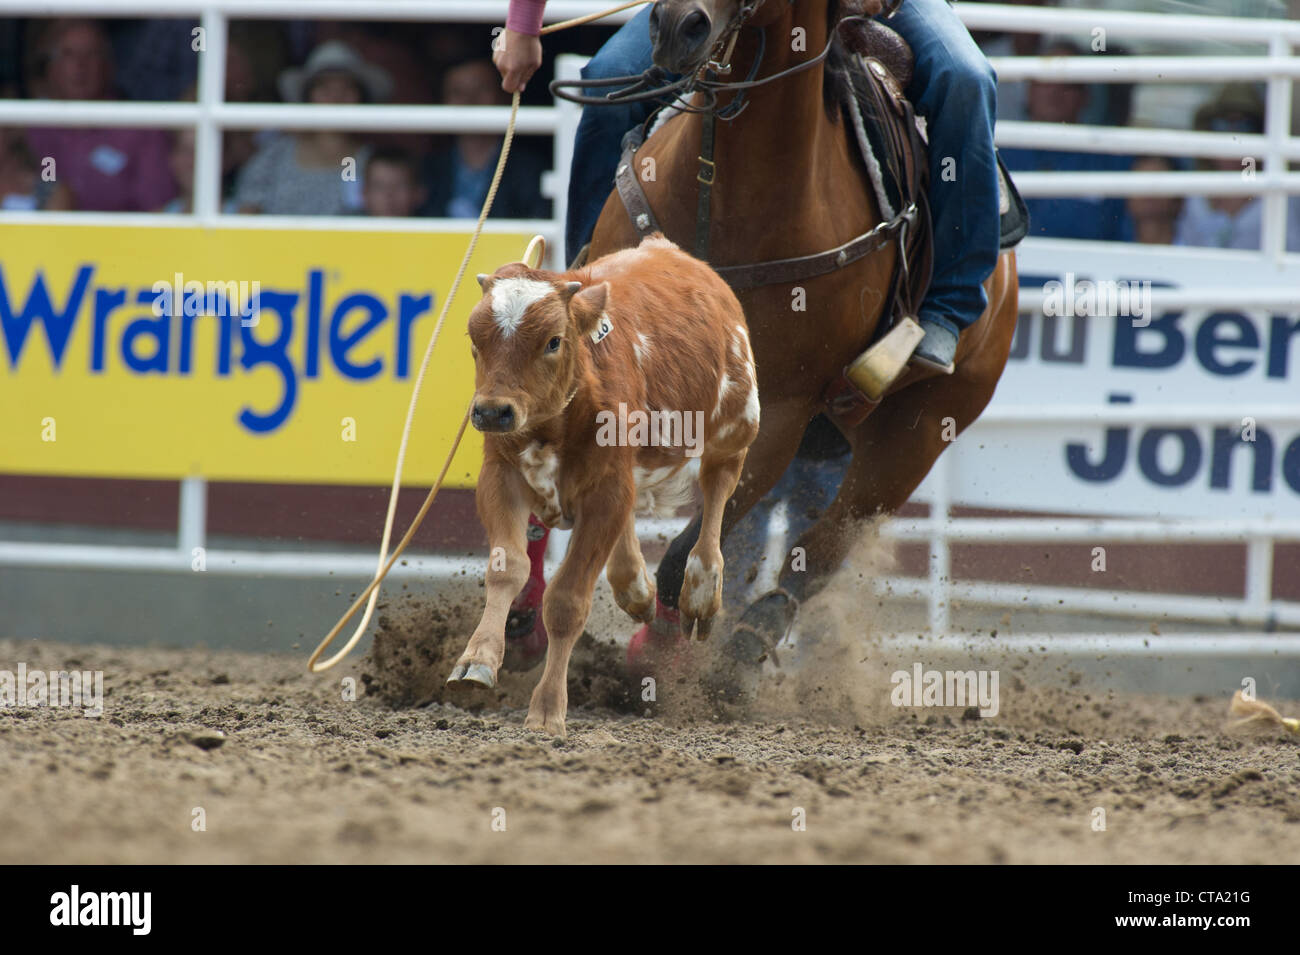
(526, 336)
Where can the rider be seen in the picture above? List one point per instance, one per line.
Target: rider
(953, 87)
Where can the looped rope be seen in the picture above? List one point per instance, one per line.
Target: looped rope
(370, 595)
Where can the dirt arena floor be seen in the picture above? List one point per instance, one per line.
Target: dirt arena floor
(228, 757)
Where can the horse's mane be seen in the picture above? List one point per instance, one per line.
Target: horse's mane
(836, 82)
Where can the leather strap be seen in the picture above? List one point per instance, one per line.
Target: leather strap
(782, 271)
(630, 191)
(704, 177)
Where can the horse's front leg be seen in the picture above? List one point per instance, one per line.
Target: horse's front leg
(503, 509)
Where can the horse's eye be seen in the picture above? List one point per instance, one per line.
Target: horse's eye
(553, 345)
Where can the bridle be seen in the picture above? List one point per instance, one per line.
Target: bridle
(657, 84)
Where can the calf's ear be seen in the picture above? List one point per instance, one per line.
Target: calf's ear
(586, 307)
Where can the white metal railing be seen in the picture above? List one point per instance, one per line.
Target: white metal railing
(1275, 64)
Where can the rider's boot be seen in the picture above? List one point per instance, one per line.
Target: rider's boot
(938, 349)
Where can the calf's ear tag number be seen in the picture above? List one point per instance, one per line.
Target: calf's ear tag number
(603, 328)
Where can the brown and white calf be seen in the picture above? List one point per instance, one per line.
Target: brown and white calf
(603, 391)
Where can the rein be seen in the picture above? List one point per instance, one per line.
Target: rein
(638, 87)
(655, 84)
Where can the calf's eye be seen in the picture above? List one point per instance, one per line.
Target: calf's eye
(553, 345)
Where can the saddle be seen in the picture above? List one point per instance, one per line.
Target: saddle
(893, 146)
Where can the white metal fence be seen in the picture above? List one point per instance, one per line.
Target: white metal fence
(1274, 63)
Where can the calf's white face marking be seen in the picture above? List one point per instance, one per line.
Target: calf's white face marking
(511, 298)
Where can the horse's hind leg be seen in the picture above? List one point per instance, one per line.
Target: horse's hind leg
(893, 450)
(896, 446)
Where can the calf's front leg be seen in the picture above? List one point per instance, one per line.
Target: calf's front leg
(502, 507)
(597, 526)
(701, 594)
(634, 591)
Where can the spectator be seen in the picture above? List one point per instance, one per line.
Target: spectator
(1153, 217)
(310, 173)
(156, 59)
(119, 170)
(392, 186)
(22, 186)
(181, 161)
(1236, 221)
(458, 176)
(254, 58)
(1075, 217)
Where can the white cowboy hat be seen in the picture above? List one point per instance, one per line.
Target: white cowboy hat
(331, 56)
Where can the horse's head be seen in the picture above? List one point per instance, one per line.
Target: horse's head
(684, 32)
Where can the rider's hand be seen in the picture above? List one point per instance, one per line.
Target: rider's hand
(517, 56)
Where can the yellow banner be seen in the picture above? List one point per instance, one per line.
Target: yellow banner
(234, 354)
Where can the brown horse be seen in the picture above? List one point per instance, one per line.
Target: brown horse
(789, 183)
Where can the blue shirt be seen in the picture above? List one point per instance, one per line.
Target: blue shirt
(1073, 217)
(469, 187)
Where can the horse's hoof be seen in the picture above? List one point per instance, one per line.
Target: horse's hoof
(763, 625)
(770, 617)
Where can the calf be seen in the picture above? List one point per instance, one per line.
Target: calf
(600, 392)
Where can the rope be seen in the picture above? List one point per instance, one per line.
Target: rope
(370, 596)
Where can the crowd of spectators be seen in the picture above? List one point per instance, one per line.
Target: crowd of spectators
(1227, 222)
(306, 172)
(299, 172)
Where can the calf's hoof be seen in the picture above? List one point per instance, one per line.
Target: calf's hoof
(700, 598)
(542, 721)
(479, 673)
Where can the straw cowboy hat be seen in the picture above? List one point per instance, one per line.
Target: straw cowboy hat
(331, 57)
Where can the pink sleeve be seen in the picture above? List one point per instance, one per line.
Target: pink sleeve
(525, 16)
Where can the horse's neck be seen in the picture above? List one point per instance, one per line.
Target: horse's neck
(784, 118)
